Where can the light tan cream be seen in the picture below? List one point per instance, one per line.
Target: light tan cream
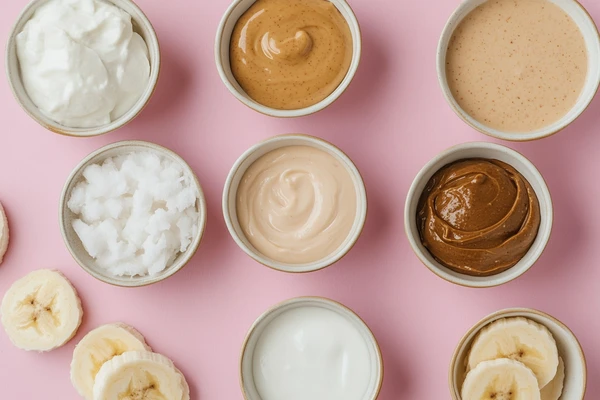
(517, 65)
(296, 204)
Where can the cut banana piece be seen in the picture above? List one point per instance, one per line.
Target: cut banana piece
(519, 339)
(140, 375)
(553, 390)
(98, 347)
(4, 234)
(501, 379)
(41, 311)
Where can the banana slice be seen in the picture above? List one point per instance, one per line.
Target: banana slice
(519, 339)
(553, 390)
(140, 375)
(501, 379)
(98, 347)
(3, 233)
(41, 311)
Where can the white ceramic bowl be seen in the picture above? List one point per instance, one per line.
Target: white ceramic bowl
(249, 157)
(488, 151)
(592, 40)
(222, 42)
(66, 216)
(568, 348)
(141, 25)
(246, 370)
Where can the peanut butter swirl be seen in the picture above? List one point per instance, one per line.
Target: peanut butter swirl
(290, 54)
(478, 217)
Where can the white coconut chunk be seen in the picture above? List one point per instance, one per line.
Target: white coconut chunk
(136, 213)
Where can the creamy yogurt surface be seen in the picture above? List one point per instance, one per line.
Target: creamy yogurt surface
(296, 204)
(311, 353)
(81, 62)
(517, 65)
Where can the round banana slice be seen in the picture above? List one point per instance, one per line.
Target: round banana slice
(3, 233)
(140, 375)
(519, 339)
(41, 311)
(500, 379)
(98, 347)
(553, 390)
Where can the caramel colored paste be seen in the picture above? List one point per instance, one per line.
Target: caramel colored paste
(290, 54)
(296, 204)
(516, 65)
(478, 217)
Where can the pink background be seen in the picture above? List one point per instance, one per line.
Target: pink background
(391, 121)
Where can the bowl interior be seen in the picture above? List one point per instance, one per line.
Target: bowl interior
(568, 348)
(489, 151)
(246, 368)
(257, 151)
(233, 14)
(141, 25)
(592, 40)
(73, 242)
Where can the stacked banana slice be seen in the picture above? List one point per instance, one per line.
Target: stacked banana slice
(3, 233)
(514, 359)
(41, 311)
(113, 362)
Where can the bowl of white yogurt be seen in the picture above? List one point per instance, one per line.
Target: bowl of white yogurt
(82, 67)
(310, 348)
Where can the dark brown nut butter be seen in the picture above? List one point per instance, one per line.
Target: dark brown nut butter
(478, 217)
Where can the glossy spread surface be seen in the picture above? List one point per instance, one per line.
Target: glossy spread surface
(311, 353)
(478, 217)
(296, 204)
(290, 54)
(516, 66)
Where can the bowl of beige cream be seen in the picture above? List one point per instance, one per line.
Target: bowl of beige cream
(519, 70)
(295, 203)
(82, 68)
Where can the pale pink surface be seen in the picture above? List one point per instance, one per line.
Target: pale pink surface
(391, 121)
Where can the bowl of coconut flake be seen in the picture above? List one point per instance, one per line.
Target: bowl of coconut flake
(132, 213)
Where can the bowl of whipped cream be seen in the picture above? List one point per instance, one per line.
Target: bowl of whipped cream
(82, 67)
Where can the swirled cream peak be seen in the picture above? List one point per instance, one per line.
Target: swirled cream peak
(290, 54)
(478, 217)
(296, 204)
(81, 62)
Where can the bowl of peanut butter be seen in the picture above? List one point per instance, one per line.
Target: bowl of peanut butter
(519, 69)
(478, 215)
(288, 59)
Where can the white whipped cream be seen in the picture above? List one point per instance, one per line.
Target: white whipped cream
(81, 63)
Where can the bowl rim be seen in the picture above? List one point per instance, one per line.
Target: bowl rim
(482, 323)
(301, 299)
(301, 112)
(361, 193)
(414, 240)
(34, 113)
(542, 133)
(136, 281)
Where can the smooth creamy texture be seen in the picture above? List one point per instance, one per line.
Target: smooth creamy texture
(296, 204)
(517, 65)
(311, 353)
(290, 54)
(81, 63)
(478, 217)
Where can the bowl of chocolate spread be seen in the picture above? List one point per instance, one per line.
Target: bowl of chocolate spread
(479, 215)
